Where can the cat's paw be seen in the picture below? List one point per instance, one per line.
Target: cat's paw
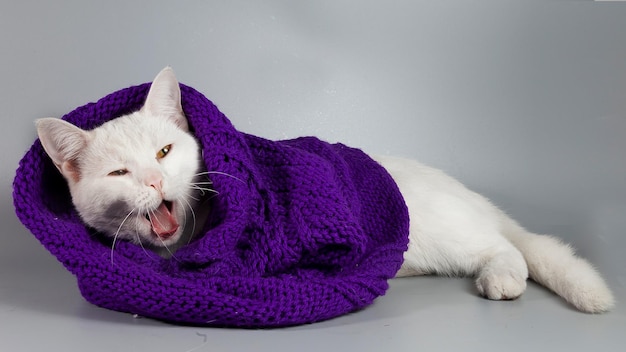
(501, 284)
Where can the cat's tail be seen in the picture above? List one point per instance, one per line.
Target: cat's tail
(554, 265)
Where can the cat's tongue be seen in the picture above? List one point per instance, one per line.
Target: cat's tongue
(163, 223)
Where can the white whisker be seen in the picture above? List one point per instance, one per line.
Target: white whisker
(152, 212)
(203, 183)
(145, 251)
(203, 190)
(153, 215)
(224, 174)
(215, 194)
(193, 216)
(172, 256)
(118, 232)
(200, 184)
(197, 199)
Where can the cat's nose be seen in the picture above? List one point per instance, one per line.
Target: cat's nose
(154, 180)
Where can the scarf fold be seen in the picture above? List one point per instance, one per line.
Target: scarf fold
(301, 230)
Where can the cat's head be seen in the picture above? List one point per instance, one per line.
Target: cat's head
(131, 178)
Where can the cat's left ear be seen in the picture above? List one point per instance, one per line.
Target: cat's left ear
(164, 98)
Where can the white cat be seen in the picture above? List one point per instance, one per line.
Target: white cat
(139, 178)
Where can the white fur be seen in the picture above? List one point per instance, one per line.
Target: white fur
(453, 230)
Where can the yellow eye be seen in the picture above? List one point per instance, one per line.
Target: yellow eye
(163, 152)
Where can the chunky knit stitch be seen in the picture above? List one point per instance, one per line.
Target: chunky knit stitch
(314, 231)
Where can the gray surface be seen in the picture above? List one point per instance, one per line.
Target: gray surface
(524, 101)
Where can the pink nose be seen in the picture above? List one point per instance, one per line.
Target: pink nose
(153, 179)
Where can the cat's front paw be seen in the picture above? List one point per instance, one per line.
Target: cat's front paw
(501, 284)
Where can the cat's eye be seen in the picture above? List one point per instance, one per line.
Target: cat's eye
(164, 151)
(120, 172)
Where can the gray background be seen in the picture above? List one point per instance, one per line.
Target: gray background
(523, 101)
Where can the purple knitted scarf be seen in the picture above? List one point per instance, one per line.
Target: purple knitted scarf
(314, 231)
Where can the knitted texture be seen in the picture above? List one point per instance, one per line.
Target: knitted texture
(304, 231)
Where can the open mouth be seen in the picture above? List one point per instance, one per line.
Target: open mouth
(163, 223)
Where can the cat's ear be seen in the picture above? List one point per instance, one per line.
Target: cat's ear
(63, 142)
(164, 98)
